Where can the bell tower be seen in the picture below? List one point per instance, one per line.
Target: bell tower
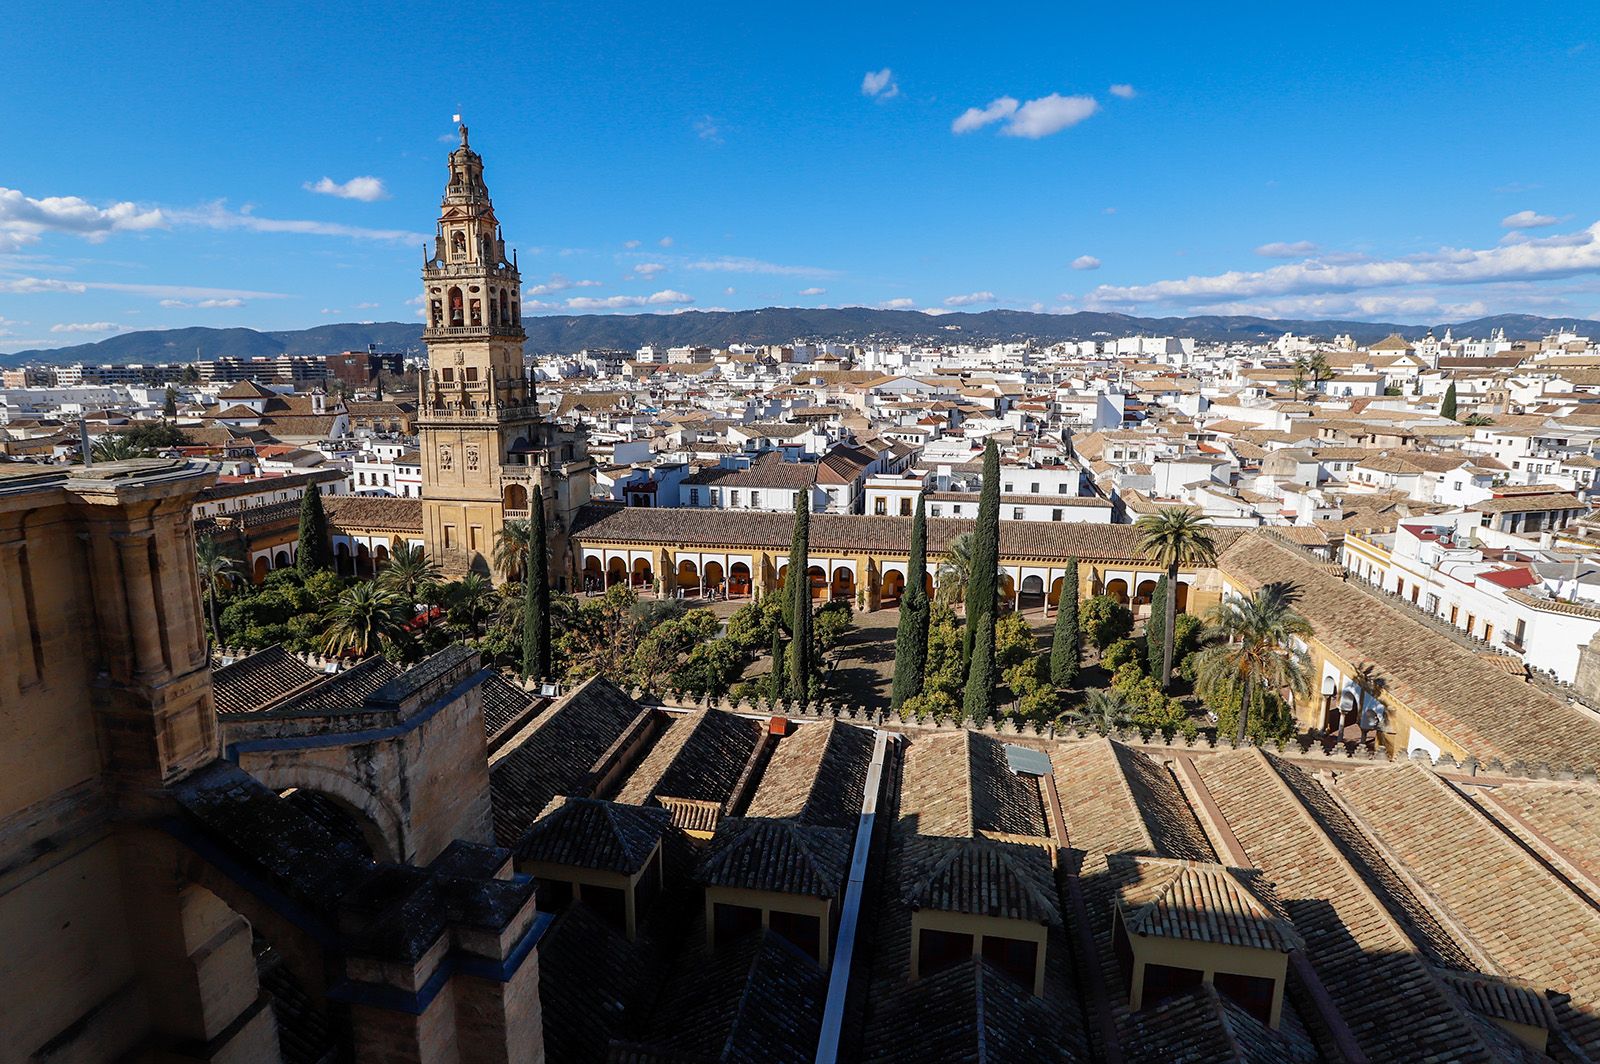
(484, 444)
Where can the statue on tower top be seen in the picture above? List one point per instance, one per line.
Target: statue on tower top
(463, 134)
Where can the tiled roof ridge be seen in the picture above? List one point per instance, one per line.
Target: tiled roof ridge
(1117, 751)
(1184, 870)
(987, 847)
(971, 828)
(1436, 907)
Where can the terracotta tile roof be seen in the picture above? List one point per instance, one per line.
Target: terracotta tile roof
(1201, 1027)
(1352, 941)
(1488, 713)
(1567, 815)
(591, 980)
(1522, 503)
(699, 756)
(252, 682)
(1199, 902)
(504, 703)
(1493, 888)
(374, 512)
(555, 755)
(817, 776)
(777, 855)
(755, 1001)
(1045, 540)
(958, 784)
(971, 1013)
(590, 833)
(335, 693)
(981, 878)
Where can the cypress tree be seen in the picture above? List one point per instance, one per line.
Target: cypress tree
(1064, 647)
(1155, 629)
(798, 558)
(169, 404)
(981, 585)
(800, 600)
(911, 640)
(1448, 407)
(314, 552)
(536, 595)
(978, 703)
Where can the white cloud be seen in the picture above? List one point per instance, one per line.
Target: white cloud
(897, 304)
(24, 219)
(630, 244)
(558, 283)
(216, 304)
(880, 84)
(31, 285)
(1085, 262)
(365, 306)
(666, 297)
(707, 128)
(1527, 220)
(365, 189)
(1108, 210)
(1049, 114)
(1033, 120)
(978, 117)
(728, 291)
(86, 327)
(813, 291)
(649, 269)
(970, 299)
(218, 216)
(1566, 255)
(1122, 91)
(175, 303)
(1280, 249)
(740, 264)
(665, 242)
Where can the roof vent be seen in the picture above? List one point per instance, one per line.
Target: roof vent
(1026, 761)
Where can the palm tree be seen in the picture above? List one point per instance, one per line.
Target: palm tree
(1262, 654)
(1174, 537)
(955, 568)
(411, 574)
(511, 548)
(117, 447)
(1103, 709)
(366, 617)
(1298, 380)
(471, 600)
(218, 570)
(1477, 420)
(1317, 366)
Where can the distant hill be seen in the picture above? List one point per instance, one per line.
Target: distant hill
(567, 333)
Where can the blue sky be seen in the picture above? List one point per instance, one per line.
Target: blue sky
(1408, 162)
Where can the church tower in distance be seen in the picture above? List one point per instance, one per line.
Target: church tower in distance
(484, 444)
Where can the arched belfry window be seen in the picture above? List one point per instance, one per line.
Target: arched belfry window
(456, 309)
(458, 242)
(505, 307)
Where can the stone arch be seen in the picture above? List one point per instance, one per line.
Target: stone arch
(1031, 592)
(1182, 594)
(819, 581)
(380, 820)
(688, 577)
(1056, 586)
(341, 558)
(843, 586)
(515, 497)
(363, 560)
(714, 576)
(261, 568)
(280, 560)
(1145, 591)
(458, 310)
(1118, 589)
(1007, 588)
(593, 573)
(380, 556)
(505, 308)
(642, 576)
(616, 571)
(892, 586)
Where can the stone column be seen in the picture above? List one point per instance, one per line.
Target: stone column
(16, 644)
(139, 589)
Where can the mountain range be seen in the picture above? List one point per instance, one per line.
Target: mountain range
(568, 333)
